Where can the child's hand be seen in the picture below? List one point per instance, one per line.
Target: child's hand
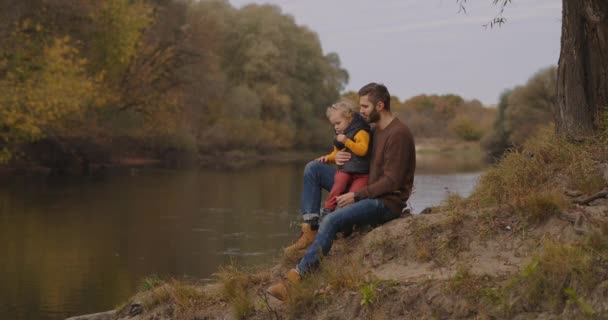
(322, 159)
(341, 138)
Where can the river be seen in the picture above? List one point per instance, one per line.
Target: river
(77, 245)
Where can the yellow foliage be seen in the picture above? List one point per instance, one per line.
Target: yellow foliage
(466, 129)
(36, 97)
(122, 23)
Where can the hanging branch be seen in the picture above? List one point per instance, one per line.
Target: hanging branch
(498, 20)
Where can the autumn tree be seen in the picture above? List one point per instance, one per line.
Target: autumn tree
(521, 112)
(160, 79)
(496, 141)
(43, 82)
(445, 116)
(530, 106)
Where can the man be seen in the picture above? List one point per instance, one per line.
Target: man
(391, 178)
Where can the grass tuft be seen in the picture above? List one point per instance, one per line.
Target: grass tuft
(334, 276)
(562, 275)
(151, 282)
(539, 206)
(236, 285)
(186, 299)
(530, 180)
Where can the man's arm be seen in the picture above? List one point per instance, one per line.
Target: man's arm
(342, 156)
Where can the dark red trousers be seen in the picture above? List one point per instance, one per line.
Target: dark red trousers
(343, 183)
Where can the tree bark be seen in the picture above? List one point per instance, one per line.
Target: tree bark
(582, 86)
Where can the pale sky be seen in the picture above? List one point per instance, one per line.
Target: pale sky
(426, 46)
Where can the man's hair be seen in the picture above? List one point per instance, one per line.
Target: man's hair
(345, 107)
(377, 92)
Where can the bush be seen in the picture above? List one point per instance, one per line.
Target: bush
(466, 130)
(521, 111)
(531, 181)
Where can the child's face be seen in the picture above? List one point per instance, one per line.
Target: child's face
(339, 121)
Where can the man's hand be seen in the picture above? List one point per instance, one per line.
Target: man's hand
(322, 159)
(345, 199)
(341, 138)
(342, 157)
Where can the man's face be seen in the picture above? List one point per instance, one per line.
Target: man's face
(368, 110)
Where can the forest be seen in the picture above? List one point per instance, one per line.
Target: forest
(88, 83)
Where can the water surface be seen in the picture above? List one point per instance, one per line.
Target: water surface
(80, 245)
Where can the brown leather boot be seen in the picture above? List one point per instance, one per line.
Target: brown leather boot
(305, 240)
(280, 289)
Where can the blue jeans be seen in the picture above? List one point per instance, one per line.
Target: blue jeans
(366, 211)
(317, 176)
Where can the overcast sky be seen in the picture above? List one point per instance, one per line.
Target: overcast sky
(426, 46)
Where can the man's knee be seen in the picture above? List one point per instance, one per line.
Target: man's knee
(329, 223)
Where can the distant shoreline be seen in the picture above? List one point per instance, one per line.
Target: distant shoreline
(235, 159)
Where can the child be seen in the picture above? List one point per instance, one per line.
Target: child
(352, 135)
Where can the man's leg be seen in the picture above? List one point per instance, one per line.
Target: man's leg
(367, 211)
(341, 182)
(364, 211)
(317, 176)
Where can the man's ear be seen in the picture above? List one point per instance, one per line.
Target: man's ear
(379, 106)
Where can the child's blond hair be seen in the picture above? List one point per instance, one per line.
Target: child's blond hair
(346, 107)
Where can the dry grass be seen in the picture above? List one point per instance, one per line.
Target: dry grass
(184, 300)
(440, 241)
(569, 281)
(530, 182)
(539, 206)
(563, 276)
(527, 187)
(238, 287)
(335, 276)
(479, 289)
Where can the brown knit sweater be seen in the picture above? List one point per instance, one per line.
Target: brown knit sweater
(391, 172)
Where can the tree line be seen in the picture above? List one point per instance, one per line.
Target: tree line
(84, 81)
(521, 111)
(89, 80)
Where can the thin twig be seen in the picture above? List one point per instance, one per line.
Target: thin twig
(599, 195)
(262, 294)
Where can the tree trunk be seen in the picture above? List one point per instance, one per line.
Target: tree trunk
(582, 86)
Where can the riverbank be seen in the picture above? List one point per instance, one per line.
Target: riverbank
(453, 263)
(218, 160)
(437, 145)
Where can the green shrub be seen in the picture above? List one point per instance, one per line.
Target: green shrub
(466, 130)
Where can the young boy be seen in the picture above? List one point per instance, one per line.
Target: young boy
(352, 135)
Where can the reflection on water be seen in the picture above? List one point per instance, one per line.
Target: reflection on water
(457, 162)
(82, 245)
(430, 189)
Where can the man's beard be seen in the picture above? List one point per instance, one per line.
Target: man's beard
(374, 116)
